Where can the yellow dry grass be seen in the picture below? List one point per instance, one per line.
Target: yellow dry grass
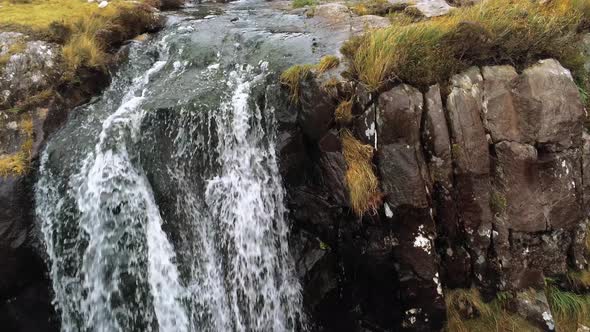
(499, 31)
(362, 183)
(293, 76)
(15, 48)
(326, 63)
(579, 280)
(343, 113)
(18, 162)
(77, 22)
(39, 14)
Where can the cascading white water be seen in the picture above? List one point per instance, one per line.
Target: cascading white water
(122, 229)
(209, 254)
(246, 199)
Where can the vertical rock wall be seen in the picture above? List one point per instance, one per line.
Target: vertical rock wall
(485, 185)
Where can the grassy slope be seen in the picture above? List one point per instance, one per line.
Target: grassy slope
(76, 25)
(501, 31)
(39, 14)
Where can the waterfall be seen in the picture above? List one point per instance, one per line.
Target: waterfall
(246, 200)
(169, 218)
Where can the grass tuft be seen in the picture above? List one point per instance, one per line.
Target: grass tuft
(467, 312)
(569, 309)
(292, 78)
(498, 202)
(516, 32)
(376, 7)
(343, 113)
(302, 3)
(295, 74)
(326, 63)
(18, 162)
(363, 185)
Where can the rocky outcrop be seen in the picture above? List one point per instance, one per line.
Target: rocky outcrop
(426, 8)
(334, 23)
(485, 184)
(29, 66)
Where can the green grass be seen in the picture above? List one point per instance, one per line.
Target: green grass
(498, 202)
(569, 309)
(516, 32)
(302, 3)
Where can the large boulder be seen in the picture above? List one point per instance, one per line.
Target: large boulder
(427, 8)
(535, 124)
(28, 67)
(549, 100)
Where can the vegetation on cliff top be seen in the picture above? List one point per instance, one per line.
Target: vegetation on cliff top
(303, 3)
(84, 30)
(516, 32)
(292, 77)
(467, 311)
(87, 35)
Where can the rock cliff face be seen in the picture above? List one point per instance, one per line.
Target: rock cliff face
(484, 184)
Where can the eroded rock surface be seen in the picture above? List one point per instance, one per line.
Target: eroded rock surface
(29, 66)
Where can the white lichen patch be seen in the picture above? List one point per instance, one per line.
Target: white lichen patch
(371, 131)
(411, 317)
(438, 284)
(421, 241)
(388, 212)
(548, 318)
(390, 241)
